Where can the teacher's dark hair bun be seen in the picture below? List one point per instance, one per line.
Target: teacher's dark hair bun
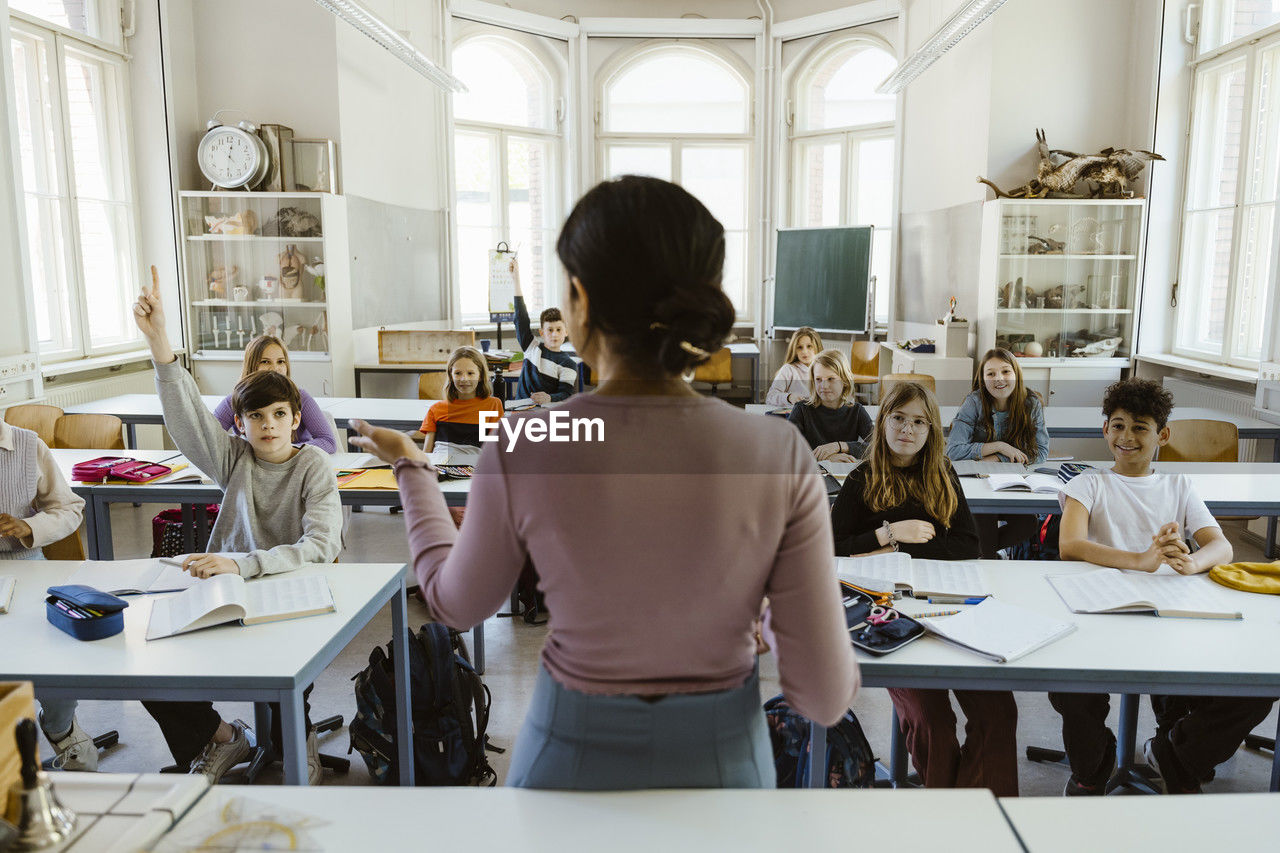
(650, 257)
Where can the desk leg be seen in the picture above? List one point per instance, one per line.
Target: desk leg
(188, 528)
(91, 528)
(102, 529)
(1275, 755)
(1127, 736)
(357, 382)
(817, 757)
(131, 435)
(293, 730)
(404, 728)
(477, 642)
(897, 753)
(201, 528)
(262, 727)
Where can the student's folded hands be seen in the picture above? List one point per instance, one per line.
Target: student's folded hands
(15, 527)
(208, 565)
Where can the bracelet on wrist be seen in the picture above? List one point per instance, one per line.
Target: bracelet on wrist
(888, 534)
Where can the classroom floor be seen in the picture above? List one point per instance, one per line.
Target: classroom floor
(512, 657)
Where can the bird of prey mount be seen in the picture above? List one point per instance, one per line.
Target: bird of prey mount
(1065, 174)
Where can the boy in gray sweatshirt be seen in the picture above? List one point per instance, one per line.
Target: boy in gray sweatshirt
(280, 511)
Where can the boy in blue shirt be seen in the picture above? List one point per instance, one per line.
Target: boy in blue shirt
(548, 375)
(1132, 517)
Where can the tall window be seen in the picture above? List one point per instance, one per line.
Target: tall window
(1233, 162)
(842, 148)
(71, 101)
(683, 113)
(507, 144)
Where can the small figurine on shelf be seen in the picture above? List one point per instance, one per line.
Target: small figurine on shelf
(219, 281)
(298, 342)
(319, 341)
(1032, 349)
(316, 269)
(291, 266)
(268, 288)
(272, 323)
(239, 293)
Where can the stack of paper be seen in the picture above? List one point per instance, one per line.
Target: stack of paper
(998, 631)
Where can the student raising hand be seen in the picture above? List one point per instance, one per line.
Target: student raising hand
(148, 314)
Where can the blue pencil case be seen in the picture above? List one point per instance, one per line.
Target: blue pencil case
(84, 612)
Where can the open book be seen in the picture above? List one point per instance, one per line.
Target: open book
(133, 577)
(1114, 591)
(933, 579)
(228, 598)
(982, 468)
(998, 631)
(1047, 484)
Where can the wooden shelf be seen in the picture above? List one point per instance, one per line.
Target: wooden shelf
(262, 303)
(1065, 257)
(1064, 310)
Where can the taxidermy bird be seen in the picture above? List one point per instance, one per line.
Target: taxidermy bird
(1065, 174)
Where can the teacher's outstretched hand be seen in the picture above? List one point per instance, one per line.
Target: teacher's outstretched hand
(386, 444)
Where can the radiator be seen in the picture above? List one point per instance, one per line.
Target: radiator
(67, 393)
(1187, 393)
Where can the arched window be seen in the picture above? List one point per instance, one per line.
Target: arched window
(842, 147)
(507, 151)
(682, 112)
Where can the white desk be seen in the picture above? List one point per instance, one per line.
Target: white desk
(274, 662)
(1062, 825)
(123, 812)
(957, 821)
(1111, 653)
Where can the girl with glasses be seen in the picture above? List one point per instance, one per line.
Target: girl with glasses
(906, 496)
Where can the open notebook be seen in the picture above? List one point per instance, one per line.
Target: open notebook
(998, 631)
(229, 598)
(1116, 591)
(1047, 484)
(134, 577)
(932, 579)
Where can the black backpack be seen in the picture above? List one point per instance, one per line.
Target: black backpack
(850, 761)
(450, 713)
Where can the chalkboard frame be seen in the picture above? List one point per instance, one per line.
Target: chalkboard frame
(864, 235)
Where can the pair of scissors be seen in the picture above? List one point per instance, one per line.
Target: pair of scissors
(881, 615)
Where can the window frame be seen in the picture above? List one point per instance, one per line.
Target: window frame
(498, 135)
(748, 140)
(1250, 50)
(60, 40)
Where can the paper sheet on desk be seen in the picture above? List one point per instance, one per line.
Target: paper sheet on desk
(839, 470)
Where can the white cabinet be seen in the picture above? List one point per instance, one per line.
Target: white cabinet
(267, 262)
(1059, 286)
(952, 376)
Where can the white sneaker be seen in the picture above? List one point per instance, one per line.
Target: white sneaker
(217, 758)
(75, 751)
(314, 771)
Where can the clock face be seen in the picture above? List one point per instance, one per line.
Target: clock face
(228, 157)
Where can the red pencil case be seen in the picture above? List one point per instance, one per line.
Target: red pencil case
(98, 469)
(117, 468)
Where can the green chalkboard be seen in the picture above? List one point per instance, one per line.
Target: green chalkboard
(822, 278)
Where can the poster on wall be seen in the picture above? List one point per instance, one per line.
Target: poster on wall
(502, 284)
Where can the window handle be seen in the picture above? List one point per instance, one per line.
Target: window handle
(1190, 22)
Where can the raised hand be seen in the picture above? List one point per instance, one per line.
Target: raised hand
(148, 311)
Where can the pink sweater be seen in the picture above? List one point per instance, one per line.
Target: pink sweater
(655, 548)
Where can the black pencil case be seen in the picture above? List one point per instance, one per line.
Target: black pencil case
(876, 639)
(85, 601)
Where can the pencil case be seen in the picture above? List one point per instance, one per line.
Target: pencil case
(96, 469)
(84, 612)
(878, 639)
(135, 471)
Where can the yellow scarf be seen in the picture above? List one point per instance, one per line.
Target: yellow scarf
(1250, 577)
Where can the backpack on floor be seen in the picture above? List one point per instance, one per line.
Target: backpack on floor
(450, 706)
(167, 538)
(850, 761)
(1043, 544)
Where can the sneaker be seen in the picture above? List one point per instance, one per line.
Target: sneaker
(1152, 750)
(217, 758)
(74, 751)
(1076, 788)
(314, 771)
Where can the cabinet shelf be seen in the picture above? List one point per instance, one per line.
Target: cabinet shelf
(1065, 257)
(237, 355)
(1064, 310)
(250, 238)
(257, 303)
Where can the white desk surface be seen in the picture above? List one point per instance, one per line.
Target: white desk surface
(118, 812)
(272, 655)
(1216, 821)
(633, 822)
(1120, 651)
(130, 407)
(744, 349)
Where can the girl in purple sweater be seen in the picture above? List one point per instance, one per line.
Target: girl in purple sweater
(267, 352)
(657, 534)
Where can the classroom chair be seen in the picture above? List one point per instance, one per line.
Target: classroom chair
(864, 364)
(1198, 440)
(890, 379)
(70, 547)
(37, 417)
(717, 370)
(94, 432)
(431, 385)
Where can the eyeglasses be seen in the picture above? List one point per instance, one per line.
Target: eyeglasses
(900, 423)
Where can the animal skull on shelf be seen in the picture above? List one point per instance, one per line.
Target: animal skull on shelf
(1065, 174)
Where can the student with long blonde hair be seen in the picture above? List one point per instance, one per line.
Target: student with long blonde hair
(791, 385)
(835, 425)
(906, 496)
(1000, 421)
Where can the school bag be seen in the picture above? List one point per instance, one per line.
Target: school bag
(167, 539)
(450, 707)
(850, 761)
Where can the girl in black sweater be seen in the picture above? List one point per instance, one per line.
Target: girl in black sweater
(906, 496)
(835, 425)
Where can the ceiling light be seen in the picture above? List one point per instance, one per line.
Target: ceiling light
(391, 41)
(965, 20)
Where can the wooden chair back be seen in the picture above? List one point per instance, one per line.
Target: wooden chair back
(67, 548)
(717, 370)
(431, 385)
(37, 417)
(891, 379)
(864, 362)
(89, 431)
(1195, 440)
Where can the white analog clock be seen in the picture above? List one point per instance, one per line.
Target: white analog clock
(233, 157)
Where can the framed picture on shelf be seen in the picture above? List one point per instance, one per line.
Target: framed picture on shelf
(315, 165)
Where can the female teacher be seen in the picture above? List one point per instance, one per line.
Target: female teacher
(657, 533)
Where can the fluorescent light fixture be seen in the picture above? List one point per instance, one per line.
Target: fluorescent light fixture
(965, 20)
(392, 42)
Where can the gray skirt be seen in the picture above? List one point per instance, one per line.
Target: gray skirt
(585, 742)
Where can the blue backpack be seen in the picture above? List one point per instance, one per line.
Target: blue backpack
(850, 761)
(450, 706)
